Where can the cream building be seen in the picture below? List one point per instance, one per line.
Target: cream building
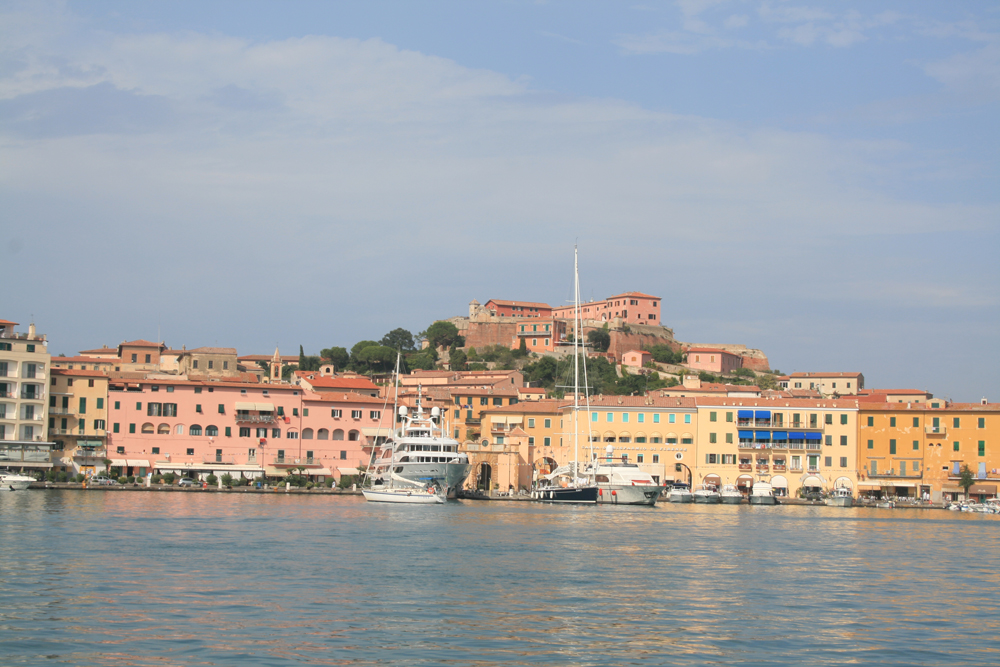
(24, 373)
(78, 414)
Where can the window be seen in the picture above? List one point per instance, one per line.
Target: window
(892, 422)
(6, 347)
(828, 419)
(828, 440)
(211, 364)
(593, 416)
(982, 448)
(100, 404)
(916, 445)
(190, 451)
(281, 411)
(355, 414)
(547, 441)
(194, 364)
(955, 422)
(343, 455)
(135, 358)
(548, 423)
(138, 406)
(729, 417)
(154, 409)
(244, 431)
(871, 421)
(843, 419)
(195, 430)
(843, 441)
(156, 450)
(711, 416)
(531, 442)
(711, 458)
(212, 431)
(222, 408)
(99, 424)
(148, 359)
(83, 405)
(115, 427)
(483, 400)
(638, 458)
(229, 431)
(609, 417)
(687, 419)
(197, 390)
(375, 414)
(531, 422)
(982, 422)
(131, 428)
(118, 405)
(813, 420)
(292, 435)
(275, 433)
(295, 412)
(197, 408)
(828, 461)
(916, 422)
(712, 438)
(892, 446)
(335, 413)
(656, 458)
(169, 409)
(954, 446)
(625, 418)
(305, 412)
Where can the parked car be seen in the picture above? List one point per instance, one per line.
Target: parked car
(101, 480)
(187, 481)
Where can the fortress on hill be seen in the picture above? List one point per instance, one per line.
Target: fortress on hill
(633, 320)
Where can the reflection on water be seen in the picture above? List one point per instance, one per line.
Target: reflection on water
(190, 578)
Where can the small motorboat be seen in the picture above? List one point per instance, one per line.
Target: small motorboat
(841, 497)
(707, 494)
(762, 494)
(11, 481)
(680, 493)
(731, 495)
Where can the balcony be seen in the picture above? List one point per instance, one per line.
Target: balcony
(779, 467)
(81, 453)
(892, 472)
(473, 420)
(795, 468)
(32, 395)
(254, 419)
(814, 469)
(61, 411)
(762, 468)
(936, 430)
(746, 466)
(814, 446)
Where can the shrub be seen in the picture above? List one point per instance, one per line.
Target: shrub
(50, 475)
(169, 478)
(212, 480)
(227, 480)
(157, 479)
(123, 480)
(345, 482)
(62, 476)
(309, 485)
(330, 482)
(80, 477)
(131, 479)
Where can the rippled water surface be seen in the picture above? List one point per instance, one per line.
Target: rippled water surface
(210, 579)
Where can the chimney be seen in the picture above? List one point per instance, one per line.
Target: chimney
(983, 401)
(31, 331)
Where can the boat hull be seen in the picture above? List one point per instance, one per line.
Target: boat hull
(15, 482)
(680, 497)
(620, 494)
(578, 494)
(763, 500)
(450, 476)
(840, 502)
(407, 496)
(732, 500)
(703, 499)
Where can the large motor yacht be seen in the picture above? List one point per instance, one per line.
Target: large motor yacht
(11, 481)
(420, 456)
(621, 483)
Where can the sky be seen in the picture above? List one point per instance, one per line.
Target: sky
(818, 180)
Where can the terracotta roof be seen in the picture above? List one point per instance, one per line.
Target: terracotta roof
(638, 294)
(101, 350)
(285, 358)
(341, 383)
(82, 360)
(141, 343)
(8, 322)
(883, 392)
(639, 352)
(532, 390)
(710, 350)
(349, 397)
(654, 400)
(531, 304)
(824, 375)
(209, 350)
(778, 403)
(544, 406)
(74, 372)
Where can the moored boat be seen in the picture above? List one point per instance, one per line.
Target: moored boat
(680, 493)
(841, 497)
(762, 494)
(11, 481)
(707, 494)
(620, 483)
(731, 495)
(426, 496)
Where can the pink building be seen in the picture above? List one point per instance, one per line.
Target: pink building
(713, 360)
(541, 336)
(636, 358)
(630, 307)
(502, 308)
(196, 428)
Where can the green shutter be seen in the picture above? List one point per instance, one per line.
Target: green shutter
(100, 404)
(892, 446)
(871, 444)
(83, 405)
(114, 427)
(131, 428)
(229, 431)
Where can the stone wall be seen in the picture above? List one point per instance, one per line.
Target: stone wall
(753, 359)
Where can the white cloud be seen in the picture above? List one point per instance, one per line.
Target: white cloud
(976, 74)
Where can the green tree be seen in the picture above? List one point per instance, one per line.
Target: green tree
(420, 360)
(766, 382)
(456, 359)
(966, 479)
(398, 339)
(355, 363)
(442, 333)
(338, 356)
(378, 358)
(599, 339)
(522, 348)
(665, 354)
(302, 360)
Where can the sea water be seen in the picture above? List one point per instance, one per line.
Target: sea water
(200, 578)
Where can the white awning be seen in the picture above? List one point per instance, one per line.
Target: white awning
(372, 432)
(317, 471)
(348, 471)
(870, 485)
(140, 463)
(246, 406)
(118, 463)
(264, 407)
(908, 485)
(498, 419)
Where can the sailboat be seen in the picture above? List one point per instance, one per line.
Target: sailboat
(567, 483)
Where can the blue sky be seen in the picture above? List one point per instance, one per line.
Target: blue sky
(815, 179)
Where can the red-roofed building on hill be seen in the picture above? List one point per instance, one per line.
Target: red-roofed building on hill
(503, 308)
(629, 307)
(139, 356)
(712, 360)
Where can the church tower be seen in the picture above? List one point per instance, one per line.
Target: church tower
(276, 366)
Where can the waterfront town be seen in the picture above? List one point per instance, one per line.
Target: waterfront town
(683, 412)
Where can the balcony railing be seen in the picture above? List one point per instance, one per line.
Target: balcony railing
(779, 424)
(89, 453)
(255, 419)
(32, 395)
(814, 446)
(778, 467)
(61, 411)
(892, 472)
(813, 469)
(746, 466)
(473, 420)
(936, 430)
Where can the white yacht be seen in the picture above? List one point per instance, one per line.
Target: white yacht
(397, 494)
(731, 495)
(841, 497)
(707, 493)
(762, 494)
(680, 492)
(419, 456)
(11, 481)
(620, 483)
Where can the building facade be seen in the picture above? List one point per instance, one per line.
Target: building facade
(24, 379)
(78, 414)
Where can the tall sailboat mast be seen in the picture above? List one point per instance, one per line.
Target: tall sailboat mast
(576, 363)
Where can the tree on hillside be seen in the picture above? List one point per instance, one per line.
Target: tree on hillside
(360, 345)
(966, 479)
(442, 333)
(599, 339)
(377, 358)
(420, 361)
(338, 356)
(665, 354)
(398, 339)
(456, 359)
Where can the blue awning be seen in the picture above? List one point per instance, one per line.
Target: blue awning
(744, 414)
(796, 436)
(763, 435)
(763, 414)
(813, 436)
(746, 435)
(780, 435)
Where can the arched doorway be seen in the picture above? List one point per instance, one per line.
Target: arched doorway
(780, 485)
(745, 484)
(714, 480)
(485, 477)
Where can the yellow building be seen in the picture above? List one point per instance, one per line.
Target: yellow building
(24, 372)
(78, 415)
(656, 432)
(919, 449)
(797, 445)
